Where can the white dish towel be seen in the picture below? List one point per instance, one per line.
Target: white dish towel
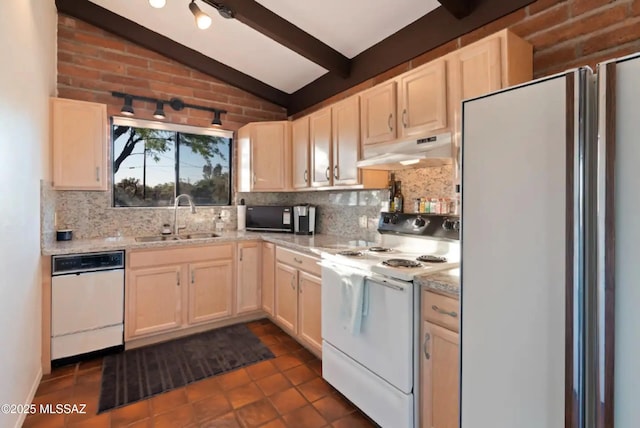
(352, 305)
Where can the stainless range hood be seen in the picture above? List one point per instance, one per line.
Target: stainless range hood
(416, 152)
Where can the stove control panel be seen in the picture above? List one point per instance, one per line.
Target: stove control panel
(427, 225)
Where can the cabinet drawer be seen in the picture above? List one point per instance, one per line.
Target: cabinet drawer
(175, 256)
(440, 310)
(298, 260)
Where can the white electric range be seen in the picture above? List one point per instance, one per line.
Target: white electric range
(371, 309)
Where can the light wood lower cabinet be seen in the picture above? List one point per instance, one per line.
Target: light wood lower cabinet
(309, 310)
(154, 300)
(298, 297)
(287, 297)
(210, 291)
(248, 278)
(439, 362)
(172, 289)
(268, 277)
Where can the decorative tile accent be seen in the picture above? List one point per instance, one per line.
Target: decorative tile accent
(432, 182)
(47, 211)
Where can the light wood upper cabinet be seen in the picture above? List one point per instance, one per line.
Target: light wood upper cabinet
(264, 156)
(286, 295)
(154, 297)
(248, 277)
(210, 290)
(476, 70)
(378, 113)
(440, 377)
(310, 310)
(346, 141)
(268, 276)
(300, 144)
(422, 99)
(79, 145)
(320, 147)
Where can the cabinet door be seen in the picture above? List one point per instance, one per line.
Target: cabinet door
(300, 143)
(320, 135)
(153, 300)
(440, 377)
(79, 145)
(210, 290)
(243, 162)
(378, 113)
(346, 141)
(422, 104)
(270, 155)
(248, 277)
(477, 70)
(310, 310)
(268, 276)
(287, 297)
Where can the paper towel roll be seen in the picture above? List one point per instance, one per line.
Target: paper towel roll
(242, 217)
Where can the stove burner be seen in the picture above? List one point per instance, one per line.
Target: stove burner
(432, 259)
(379, 249)
(401, 263)
(351, 253)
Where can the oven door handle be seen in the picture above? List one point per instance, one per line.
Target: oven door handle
(388, 282)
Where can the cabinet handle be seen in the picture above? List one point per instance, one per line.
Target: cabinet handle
(193, 276)
(443, 312)
(335, 172)
(404, 118)
(306, 176)
(178, 278)
(254, 178)
(293, 287)
(296, 260)
(98, 174)
(427, 337)
(241, 253)
(389, 122)
(326, 173)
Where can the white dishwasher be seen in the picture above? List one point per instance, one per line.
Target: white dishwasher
(87, 303)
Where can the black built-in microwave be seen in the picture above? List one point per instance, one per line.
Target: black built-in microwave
(272, 218)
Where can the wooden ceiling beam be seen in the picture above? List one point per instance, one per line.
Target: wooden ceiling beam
(458, 8)
(116, 24)
(428, 32)
(261, 19)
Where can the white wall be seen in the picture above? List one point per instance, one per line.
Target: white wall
(27, 79)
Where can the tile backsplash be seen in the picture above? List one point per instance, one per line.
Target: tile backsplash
(352, 213)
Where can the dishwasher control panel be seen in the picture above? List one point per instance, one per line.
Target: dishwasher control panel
(88, 262)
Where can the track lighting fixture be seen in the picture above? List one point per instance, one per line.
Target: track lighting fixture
(223, 10)
(216, 119)
(158, 4)
(203, 21)
(127, 107)
(159, 113)
(175, 103)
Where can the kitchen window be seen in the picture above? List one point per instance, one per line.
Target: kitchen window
(155, 161)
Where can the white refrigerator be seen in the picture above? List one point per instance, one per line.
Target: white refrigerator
(550, 273)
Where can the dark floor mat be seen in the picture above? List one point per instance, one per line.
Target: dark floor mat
(141, 373)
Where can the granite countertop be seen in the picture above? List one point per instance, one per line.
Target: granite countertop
(445, 282)
(312, 244)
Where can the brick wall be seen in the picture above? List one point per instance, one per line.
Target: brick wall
(93, 62)
(564, 34)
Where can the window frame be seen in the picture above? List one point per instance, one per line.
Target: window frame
(170, 127)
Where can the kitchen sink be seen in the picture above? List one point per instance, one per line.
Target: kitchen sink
(157, 238)
(200, 235)
(160, 238)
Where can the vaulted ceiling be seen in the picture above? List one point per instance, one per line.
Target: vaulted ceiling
(291, 52)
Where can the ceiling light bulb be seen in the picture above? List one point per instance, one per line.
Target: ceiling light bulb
(203, 21)
(158, 4)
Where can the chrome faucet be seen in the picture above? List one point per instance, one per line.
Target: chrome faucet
(177, 228)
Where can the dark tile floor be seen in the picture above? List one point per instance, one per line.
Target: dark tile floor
(287, 391)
